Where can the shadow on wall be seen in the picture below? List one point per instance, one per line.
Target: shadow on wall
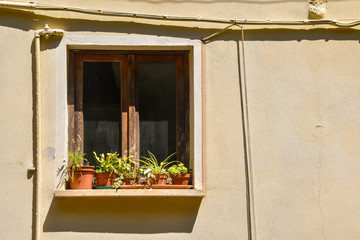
(122, 215)
(287, 34)
(28, 21)
(221, 1)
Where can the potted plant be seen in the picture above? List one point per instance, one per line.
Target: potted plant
(127, 172)
(81, 176)
(107, 168)
(156, 173)
(179, 174)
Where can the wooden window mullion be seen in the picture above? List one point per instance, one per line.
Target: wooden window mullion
(124, 107)
(78, 111)
(133, 112)
(137, 115)
(71, 102)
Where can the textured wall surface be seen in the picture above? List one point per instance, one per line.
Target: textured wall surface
(303, 99)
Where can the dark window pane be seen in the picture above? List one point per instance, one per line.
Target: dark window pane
(157, 102)
(101, 108)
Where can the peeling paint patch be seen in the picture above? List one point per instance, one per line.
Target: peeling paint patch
(50, 153)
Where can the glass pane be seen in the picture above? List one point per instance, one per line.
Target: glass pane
(157, 103)
(101, 108)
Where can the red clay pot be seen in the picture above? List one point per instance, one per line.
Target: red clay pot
(129, 181)
(161, 179)
(105, 179)
(180, 179)
(83, 179)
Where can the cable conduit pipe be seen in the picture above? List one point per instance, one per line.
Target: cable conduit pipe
(36, 6)
(46, 32)
(37, 143)
(247, 142)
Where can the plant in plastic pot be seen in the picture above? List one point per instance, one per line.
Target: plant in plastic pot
(155, 172)
(81, 176)
(179, 174)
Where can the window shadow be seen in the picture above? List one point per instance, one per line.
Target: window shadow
(122, 215)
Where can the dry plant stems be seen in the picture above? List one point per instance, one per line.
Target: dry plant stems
(76, 157)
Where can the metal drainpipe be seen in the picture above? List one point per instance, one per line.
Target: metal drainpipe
(46, 32)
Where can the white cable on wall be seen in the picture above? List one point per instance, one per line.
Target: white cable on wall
(251, 223)
(39, 6)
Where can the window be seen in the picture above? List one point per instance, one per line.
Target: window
(130, 102)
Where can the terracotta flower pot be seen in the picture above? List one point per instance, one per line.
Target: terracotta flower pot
(180, 179)
(105, 179)
(161, 179)
(83, 179)
(129, 181)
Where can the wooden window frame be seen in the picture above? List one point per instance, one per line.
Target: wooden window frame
(129, 61)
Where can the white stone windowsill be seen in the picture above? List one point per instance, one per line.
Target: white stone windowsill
(131, 193)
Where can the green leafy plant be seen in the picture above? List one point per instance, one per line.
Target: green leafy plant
(126, 169)
(77, 158)
(151, 165)
(107, 164)
(178, 169)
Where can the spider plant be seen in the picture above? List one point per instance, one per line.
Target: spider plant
(151, 165)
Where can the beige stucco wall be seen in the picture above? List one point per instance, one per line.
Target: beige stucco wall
(305, 124)
(303, 95)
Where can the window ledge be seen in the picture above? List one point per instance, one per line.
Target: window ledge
(131, 193)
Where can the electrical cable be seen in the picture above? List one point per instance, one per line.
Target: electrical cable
(36, 6)
(246, 138)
